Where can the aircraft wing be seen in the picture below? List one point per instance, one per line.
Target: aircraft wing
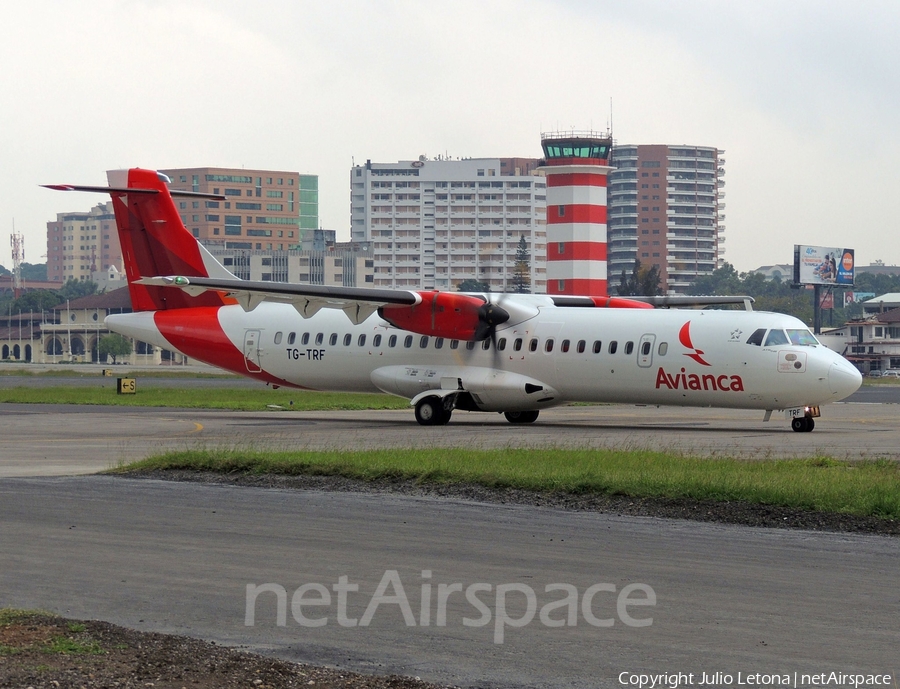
(357, 303)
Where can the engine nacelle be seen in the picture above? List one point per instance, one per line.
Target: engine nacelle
(451, 315)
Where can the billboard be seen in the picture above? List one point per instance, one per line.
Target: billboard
(823, 265)
(857, 297)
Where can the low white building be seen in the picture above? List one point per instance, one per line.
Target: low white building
(872, 344)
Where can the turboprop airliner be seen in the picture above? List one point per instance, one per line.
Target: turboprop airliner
(514, 354)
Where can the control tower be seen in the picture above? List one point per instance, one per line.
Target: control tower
(576, 167)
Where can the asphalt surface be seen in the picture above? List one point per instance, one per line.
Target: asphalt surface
(63, 439)
(178, 557)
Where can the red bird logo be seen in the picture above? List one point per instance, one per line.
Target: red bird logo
(684, 336)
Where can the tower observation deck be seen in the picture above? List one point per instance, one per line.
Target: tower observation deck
(576, 167)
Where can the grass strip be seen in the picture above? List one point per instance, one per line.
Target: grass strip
(238, 399)
(869, 488)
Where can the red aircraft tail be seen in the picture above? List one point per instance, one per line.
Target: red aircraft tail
(155, 241)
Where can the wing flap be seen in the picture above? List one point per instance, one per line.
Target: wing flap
(358, 303)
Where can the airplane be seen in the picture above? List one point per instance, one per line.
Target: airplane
(515, 354)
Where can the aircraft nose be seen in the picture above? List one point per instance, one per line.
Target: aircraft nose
(844, 379)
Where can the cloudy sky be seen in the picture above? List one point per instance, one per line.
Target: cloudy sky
(802, 96)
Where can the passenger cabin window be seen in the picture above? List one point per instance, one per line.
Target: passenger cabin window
(663, 348)
(348, 338)
(407, 341)
(333, 339)
(629, 347)
(533, 345)
(501, 344)
(278, 337)
(392, 341)
(438, 342)
(470, 345)
(304, 339)
(598, 345)
(581, 345)
(517, 345)
(376, 341)
(776, 337)
(361, 342)
(454, 344)
(564, 346)
(319, 338)
(548, 345)
(486, 345)
(423, 342)
(757, 337)
(291, 338)
(645, 348)
(613, 346)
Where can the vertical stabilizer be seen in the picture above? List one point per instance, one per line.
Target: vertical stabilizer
(155, 242)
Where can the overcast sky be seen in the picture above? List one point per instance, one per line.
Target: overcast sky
(802, 96)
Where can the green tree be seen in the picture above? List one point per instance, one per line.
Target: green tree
(37, 300)
(471, 285)
(113, 345)
(722, 282)
(74, 289)
(643, 281)
(521, 282)
(34, 271)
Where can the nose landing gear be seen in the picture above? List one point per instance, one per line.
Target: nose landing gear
(802, 424)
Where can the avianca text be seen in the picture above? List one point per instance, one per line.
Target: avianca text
(693, 381)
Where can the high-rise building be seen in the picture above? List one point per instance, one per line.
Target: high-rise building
(575, 165)
(80, 244)
(264, 209)
(434, 224)
(665, 210)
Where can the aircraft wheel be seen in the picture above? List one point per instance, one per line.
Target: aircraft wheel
(430, 412)
(802, 424)
(521, 416)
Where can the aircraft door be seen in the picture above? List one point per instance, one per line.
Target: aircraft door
(645, 350)
(251, 350)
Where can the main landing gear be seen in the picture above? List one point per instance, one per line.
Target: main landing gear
(436, 411)
(430, 411)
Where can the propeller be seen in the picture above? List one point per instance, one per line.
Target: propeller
(490, 315)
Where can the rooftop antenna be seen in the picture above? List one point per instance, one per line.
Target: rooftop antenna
(610, 117)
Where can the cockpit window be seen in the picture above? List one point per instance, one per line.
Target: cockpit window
(757, 337)
(802, 337)
(776, 337)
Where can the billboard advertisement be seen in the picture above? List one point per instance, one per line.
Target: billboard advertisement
(823, 265)
(857, 297)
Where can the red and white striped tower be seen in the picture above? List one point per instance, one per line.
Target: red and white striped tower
(575, 164)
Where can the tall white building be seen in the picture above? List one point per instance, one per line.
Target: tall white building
(433, 224)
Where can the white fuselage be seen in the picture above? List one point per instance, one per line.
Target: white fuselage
(563, 355)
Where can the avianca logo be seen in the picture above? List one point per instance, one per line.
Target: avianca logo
(684, 337)
(693, 381)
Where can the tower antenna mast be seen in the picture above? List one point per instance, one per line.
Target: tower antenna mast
(17, 242)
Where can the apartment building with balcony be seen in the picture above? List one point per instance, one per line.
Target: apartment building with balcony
(80, 244)
(666, 209)
(433, 224)
(263, 209)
